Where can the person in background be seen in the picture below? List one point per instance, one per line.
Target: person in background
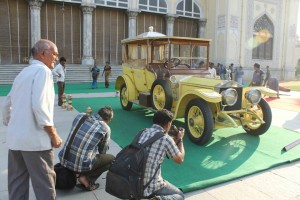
(60, 72)
(258, 76)
(228, 74)
(268, 75)
(201, 64)
(222, 72)
(231, 71)
(28, 112)
(273, 84)
(239, 73)
(107, 73)
(95, 74)
(159, 188)
(212, 70)
(87, 153)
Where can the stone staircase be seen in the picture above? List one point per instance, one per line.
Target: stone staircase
(76, 73)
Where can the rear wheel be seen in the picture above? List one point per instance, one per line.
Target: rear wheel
(126, 105)
(161, 95)
(199, 121)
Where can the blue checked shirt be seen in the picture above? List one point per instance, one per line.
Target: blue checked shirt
(92, 137)
(157, 153)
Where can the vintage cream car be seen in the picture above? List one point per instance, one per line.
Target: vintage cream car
(162, 72)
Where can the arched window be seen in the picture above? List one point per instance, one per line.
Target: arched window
(158, 6)
(188, 8)
(113, 3)
(263, 35)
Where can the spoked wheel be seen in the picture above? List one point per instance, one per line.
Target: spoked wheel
(126, 105)
(161, 95)
(253, 126)
(199, 121)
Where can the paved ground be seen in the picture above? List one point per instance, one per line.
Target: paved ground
(282, 183)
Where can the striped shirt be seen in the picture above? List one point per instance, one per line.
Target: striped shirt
(157, 153)
(91, 138)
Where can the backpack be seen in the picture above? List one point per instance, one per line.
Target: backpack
(126, 174)
(65, 178)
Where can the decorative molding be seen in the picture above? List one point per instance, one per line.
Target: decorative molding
(35, 4)
(234, 22)
(87, 9)
(170, 18)
(221, 21)
(132, 14)
(202, 22)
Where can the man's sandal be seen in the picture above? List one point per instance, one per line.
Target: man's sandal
(90, 187)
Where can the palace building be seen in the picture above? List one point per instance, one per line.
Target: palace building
(243, 32)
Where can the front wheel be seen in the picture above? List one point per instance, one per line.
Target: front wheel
(126, 105)
(253, 125)
(199, 121)
(161, 95)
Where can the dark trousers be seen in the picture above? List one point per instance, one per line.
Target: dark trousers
(102, 164)
(61, 89)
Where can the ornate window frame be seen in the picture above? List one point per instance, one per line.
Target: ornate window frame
(157, 6)
(263, 38)
(113, 3)
(188, 8)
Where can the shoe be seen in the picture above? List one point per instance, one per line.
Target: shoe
(91, 187)
(155, 198)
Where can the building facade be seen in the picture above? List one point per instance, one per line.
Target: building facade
(243, 32)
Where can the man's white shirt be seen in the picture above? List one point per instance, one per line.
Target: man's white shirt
(59, 70)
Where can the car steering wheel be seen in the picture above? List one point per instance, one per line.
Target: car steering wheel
(174, 62)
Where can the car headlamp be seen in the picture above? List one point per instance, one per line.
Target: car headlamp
(173, 79)
(253, 96)
(229, 96)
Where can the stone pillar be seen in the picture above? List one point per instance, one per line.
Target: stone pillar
(170, 24)
(35, 16)
(132, 23)
(201, 27)
(87, 58)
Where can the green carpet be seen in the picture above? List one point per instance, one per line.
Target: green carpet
(71, 88)
(229, 155)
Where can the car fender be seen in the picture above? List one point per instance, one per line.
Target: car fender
(131, 90)
(265, 91)
(207, 95)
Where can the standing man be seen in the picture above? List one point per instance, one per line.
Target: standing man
(268, 76)
(159, 188)
(231, 72)
(258, 76)
(87, 152)
(28, 114)
(107, 73)
(239, 73)
(95, 74)
(222, 72)
(60, 72)
(212, 70)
